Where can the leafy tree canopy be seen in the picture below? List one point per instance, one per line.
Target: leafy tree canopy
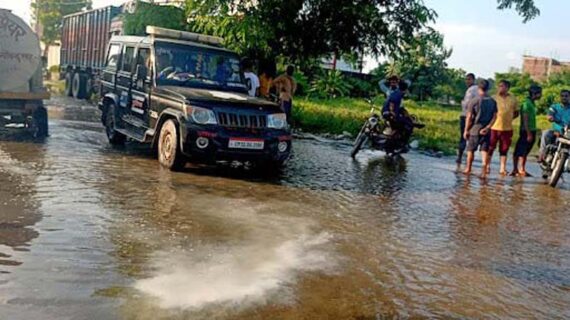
(50, 13)
(147, 14)
(304, 29)
(526, 8)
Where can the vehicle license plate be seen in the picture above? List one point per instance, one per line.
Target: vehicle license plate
(251, 144)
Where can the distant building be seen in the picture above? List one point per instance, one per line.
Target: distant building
(540, 68)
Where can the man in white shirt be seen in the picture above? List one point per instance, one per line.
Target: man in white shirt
(251, 79)
(471, 93)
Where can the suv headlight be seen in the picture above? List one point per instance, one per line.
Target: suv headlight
(202, 115)
(277, 121)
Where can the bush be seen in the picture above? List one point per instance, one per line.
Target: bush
(330, 84)
(302, 83)
(361, 88)
(54, 69)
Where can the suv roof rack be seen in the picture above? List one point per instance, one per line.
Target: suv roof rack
(183, 35)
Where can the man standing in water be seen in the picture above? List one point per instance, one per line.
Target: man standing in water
(481, 115)
(470, 94)
(286, 87)
(502, 129)
(527, 136)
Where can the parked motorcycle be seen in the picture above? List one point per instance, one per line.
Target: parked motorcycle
(557, 160)
(381, 136)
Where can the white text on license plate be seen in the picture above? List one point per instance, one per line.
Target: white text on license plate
(247, 144)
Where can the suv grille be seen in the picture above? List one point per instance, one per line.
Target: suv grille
(238, 120)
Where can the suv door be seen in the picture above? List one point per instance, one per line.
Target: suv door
(140, 96)
(109, 74)
(125, 79)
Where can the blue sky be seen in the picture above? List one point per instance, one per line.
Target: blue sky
(484, 39)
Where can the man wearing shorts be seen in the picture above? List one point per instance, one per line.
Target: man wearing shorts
(471, 93)
(528, 128)
(502, 129)
(481, 115)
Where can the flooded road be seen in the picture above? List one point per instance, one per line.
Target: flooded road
(92, 232)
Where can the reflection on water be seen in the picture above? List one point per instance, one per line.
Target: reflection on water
(18, 210)
(107, 234)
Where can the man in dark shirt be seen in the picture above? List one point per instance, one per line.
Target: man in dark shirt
(481, 115)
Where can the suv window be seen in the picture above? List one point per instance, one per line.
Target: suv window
(184, 65)
(143, 58)
(128, 57)
(113, 56)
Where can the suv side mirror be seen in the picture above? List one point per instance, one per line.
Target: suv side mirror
(141, 72)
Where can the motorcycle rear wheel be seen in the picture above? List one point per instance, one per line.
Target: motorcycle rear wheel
(558, 169)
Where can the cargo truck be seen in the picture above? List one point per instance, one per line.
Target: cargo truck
(21, 81)
(84, 41)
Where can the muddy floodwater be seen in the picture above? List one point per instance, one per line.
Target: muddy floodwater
(92, 232)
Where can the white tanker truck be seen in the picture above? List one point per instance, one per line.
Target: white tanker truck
(21, 84)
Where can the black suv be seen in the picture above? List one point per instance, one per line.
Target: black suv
(185, 94)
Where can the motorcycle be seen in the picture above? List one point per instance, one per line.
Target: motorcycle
(381, 135)
(557, 162)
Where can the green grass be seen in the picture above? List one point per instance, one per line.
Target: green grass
(338, 115)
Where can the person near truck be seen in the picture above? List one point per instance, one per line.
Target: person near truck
(286, 87)
(527, 136)
(559, 115)
(502, 129)
(471, 93)
(481, 115)
(251, 79)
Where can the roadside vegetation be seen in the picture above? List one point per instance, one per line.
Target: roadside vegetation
(337, 116)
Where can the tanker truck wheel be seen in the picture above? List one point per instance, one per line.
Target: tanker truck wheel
(79, 86)
(40, 123)
(68, 84)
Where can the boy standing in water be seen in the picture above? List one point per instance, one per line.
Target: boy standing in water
(481, 115)
(527, 136)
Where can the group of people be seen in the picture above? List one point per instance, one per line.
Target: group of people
(487, 123)
(270, 87)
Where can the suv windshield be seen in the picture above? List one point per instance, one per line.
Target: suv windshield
(184, 65)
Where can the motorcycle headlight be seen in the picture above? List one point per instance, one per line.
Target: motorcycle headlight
(277, 121)
(202, 115)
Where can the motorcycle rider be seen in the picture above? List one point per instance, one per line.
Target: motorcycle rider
(393, 85)
(559, 115)
(398, 116)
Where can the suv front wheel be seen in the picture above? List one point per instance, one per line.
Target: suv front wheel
(115, 138)
(169, 152)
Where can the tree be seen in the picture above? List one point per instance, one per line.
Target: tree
(311, 29)
(452, 88)
(423, 62)
(526, 8)
(50, 13)
(147, 14)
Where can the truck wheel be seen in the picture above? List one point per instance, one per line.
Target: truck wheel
(40, 117)
(79, 86)
(69, 84)
(88, 88)
(169, 152)
(115, 138)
